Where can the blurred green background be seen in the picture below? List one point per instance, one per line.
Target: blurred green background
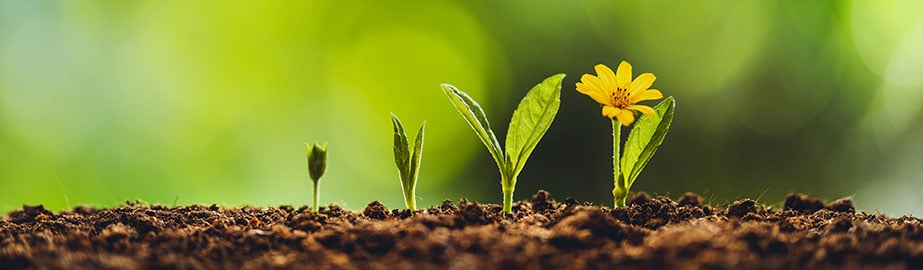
(211, 101)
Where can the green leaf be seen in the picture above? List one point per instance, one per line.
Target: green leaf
(531, 120)
(401, 156)
(477, 119)
(644, 139)
(417, 156)
(408, 166)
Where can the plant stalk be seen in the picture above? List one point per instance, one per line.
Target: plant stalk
(409, 199)
(620, 192)
(508, 198)
(315, 206)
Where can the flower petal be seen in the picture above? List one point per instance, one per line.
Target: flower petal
(607, 76)
(649, 94)
(609, 111)
(623, 75)
(594, 83)
(642, 82)
(593, 92)
(626, 117)
(594, 87)
(643, 109)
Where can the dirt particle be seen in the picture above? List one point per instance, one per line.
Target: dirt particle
(741, 208)
(337, 211)
(115, 232)
(402, 214)
(376, 242)
(447, 206)
(639, 198)
(689, 199)
(84, 210)
(28, 213)
(840, 224)
(472, 213)
(376, 210)
(541, 201)
(589, 227)
(842, 206)
(802, 203)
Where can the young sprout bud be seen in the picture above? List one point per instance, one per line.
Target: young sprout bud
(317, 160)
(317, 165)
(408, 160)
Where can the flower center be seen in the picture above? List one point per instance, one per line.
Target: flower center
(619, 98)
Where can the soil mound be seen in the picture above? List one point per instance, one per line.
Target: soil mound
(650, 233)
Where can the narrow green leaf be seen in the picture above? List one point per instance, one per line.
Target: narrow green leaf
(417, 157)
(644, 139)
(477, 119)
(531, 120)
(401, 156)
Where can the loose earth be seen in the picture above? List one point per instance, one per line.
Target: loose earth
(651, 233)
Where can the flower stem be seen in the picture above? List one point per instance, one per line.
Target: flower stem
(620, 192)
(315, 206)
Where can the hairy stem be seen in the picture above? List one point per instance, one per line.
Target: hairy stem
(620, 192)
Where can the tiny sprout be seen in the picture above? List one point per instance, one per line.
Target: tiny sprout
(317, 165)
(530, 121)
(619, 94)
(408, 165)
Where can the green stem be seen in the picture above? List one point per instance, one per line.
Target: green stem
(508, 199)
(315, 206)
(620, 192)
(409, 199)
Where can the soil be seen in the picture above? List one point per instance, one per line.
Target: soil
(651, 233)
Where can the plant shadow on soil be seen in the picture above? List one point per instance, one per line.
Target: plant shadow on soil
(651, 233)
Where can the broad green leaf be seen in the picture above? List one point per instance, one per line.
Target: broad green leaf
(401, 156)
(417, 156)
(531, 120)
(477, 119)
(644, 139)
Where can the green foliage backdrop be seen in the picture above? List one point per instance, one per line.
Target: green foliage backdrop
(211, 101)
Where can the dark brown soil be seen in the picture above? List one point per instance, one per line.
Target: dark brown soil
(652, 233)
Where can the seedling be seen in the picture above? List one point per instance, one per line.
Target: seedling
(317, 165)
(408, 165)
(618, 94)
(531, 119)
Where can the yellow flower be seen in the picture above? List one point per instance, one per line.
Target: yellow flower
(618, 93)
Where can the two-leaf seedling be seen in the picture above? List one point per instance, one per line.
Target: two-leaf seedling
(530, 121)
(407, 160)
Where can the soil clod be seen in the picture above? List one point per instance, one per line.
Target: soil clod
(741, 208)
(842, 206)
(802, 203)
(690, 199)
(376, 210)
